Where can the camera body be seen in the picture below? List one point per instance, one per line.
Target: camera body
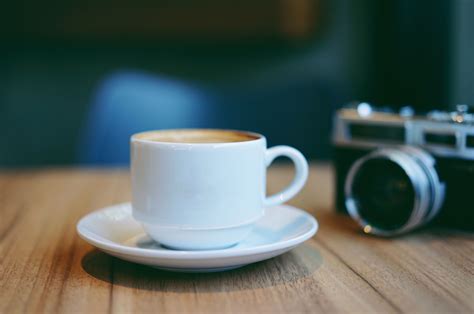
(399, 171)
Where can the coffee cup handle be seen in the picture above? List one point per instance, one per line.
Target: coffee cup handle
(301, 173)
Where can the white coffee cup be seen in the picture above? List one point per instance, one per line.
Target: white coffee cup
(197, 189)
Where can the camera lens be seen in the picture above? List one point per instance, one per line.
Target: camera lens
(384, 194)
(391, 191)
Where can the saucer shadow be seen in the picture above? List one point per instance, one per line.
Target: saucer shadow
(297, 264)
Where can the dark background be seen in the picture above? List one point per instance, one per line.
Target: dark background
(276, 67)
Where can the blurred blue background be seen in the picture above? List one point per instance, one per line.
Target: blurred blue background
(77, 78)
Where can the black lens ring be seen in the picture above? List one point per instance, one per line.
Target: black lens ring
(418, 166)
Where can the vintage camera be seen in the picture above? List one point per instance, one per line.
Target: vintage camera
(396, 171)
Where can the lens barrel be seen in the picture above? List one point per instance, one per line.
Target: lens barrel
(393, 190)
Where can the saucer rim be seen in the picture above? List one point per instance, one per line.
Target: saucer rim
(108, 245)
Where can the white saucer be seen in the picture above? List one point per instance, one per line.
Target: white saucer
(114, 231)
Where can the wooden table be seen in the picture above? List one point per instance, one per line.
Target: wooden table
(46, 267)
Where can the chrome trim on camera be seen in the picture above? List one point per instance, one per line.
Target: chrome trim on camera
(419, 167)
(416, 128)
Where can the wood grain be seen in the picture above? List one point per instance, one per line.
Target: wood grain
(45, 267)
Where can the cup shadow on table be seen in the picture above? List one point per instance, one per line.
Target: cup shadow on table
(295, 265)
